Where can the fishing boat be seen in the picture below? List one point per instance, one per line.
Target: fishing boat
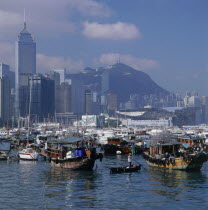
(169, 156)
(28, 154)
(133, 168)
(118, 146)
(74, 153)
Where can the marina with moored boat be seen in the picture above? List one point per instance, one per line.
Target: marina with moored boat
(73, 153)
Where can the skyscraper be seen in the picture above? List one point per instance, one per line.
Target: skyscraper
(4, 99)
(5, 71)
(78, 92)
(88, 101)
(25, 66)
(56, 77)
(64, 98)
(42, 93)
(62, 73)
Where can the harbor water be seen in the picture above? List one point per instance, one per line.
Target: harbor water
(36, 185)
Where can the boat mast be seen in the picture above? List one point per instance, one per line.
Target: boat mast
(30, 100)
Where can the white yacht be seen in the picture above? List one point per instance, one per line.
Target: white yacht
(28, 154)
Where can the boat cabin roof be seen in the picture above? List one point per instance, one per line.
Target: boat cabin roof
(70, 140)
(168, 144)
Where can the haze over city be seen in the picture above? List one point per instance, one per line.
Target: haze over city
(166, 39)
(103, 104)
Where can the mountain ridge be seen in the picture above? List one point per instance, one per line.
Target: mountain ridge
(122, 80)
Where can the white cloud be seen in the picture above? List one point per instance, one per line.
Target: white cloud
(46, 17)
(46, 63)
(8, 19)
(91, 8)
(143, 64)
(115, 31)
(61, 7)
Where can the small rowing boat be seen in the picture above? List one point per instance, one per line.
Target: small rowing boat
(133, 168)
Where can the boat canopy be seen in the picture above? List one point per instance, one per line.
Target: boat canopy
(69, 140)
(169, 144)
(5, 146)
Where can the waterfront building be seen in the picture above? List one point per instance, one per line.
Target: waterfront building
(204, 109)
(88, 101)
(5, 71)
(163, 122)
(96, 106)
(63, 103)
(12, 105)
(194, 101)
(42, 97)
(25, 67)
(66, 118)
(62, 73)
(180, 104)
(56, 77)
(105, 82)
(112, 101)
(186, 100)
(78, 93)
(4, 100)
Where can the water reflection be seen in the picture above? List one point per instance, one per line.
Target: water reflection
(26, 170)
(172, 183)
(38, 185)
(72, 185)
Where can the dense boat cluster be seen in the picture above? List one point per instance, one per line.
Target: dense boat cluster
(72, 148)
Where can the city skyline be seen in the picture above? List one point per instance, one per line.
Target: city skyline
(165, 38)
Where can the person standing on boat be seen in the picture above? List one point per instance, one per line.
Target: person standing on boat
(129, 159)
(99, 152)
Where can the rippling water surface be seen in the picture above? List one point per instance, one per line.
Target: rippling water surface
(36, 185)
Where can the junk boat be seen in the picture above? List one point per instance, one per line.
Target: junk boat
(176, 156)
(74, 153)
(133, 168)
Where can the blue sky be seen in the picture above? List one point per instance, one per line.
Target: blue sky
(168, 39)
